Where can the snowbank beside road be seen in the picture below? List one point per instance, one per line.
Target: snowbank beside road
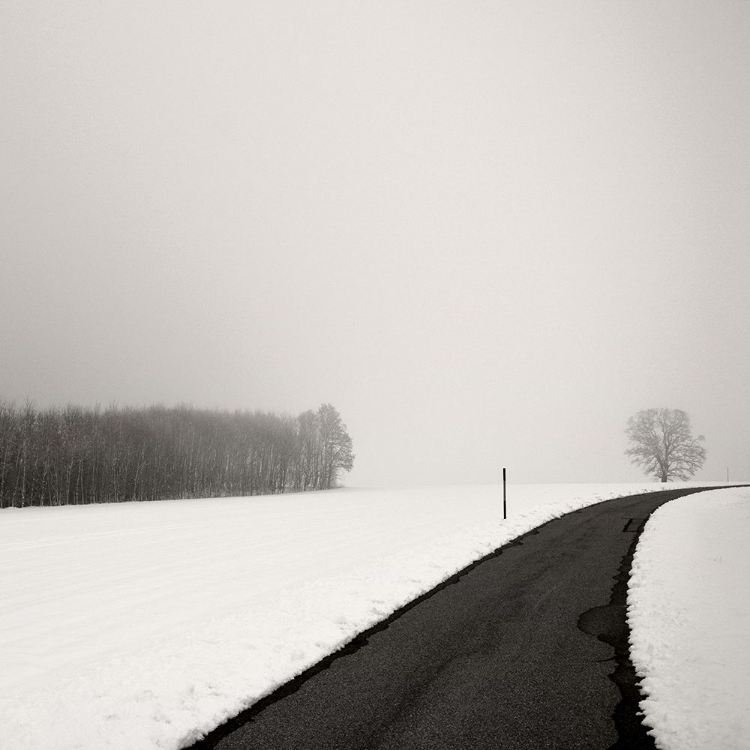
(689, 614)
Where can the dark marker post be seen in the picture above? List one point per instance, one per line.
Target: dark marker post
(505, 515)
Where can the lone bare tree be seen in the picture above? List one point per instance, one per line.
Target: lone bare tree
(662, 443)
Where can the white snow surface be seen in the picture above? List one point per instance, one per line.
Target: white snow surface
(689, 614)
(138, 626)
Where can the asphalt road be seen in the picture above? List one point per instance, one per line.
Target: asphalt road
(505, 656)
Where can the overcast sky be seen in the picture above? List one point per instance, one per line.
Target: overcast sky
(487, 232)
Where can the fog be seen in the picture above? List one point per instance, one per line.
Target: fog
(488, 233)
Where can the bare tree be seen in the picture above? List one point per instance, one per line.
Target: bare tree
(335, 446)
(663, 445)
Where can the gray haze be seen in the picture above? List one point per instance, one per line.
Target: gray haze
(487, 232)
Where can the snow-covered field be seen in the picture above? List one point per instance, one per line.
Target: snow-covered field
(142, 626)
(689, 613)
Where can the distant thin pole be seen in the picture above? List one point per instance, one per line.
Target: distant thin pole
(505, 513)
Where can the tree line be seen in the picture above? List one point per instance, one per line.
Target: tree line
(76, 455)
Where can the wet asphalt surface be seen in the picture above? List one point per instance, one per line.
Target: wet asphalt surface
(494, 660)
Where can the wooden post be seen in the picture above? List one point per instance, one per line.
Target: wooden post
(505, 514)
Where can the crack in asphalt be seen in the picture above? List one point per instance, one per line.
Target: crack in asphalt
(609, 624)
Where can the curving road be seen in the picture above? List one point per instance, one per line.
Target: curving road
(504, 656)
